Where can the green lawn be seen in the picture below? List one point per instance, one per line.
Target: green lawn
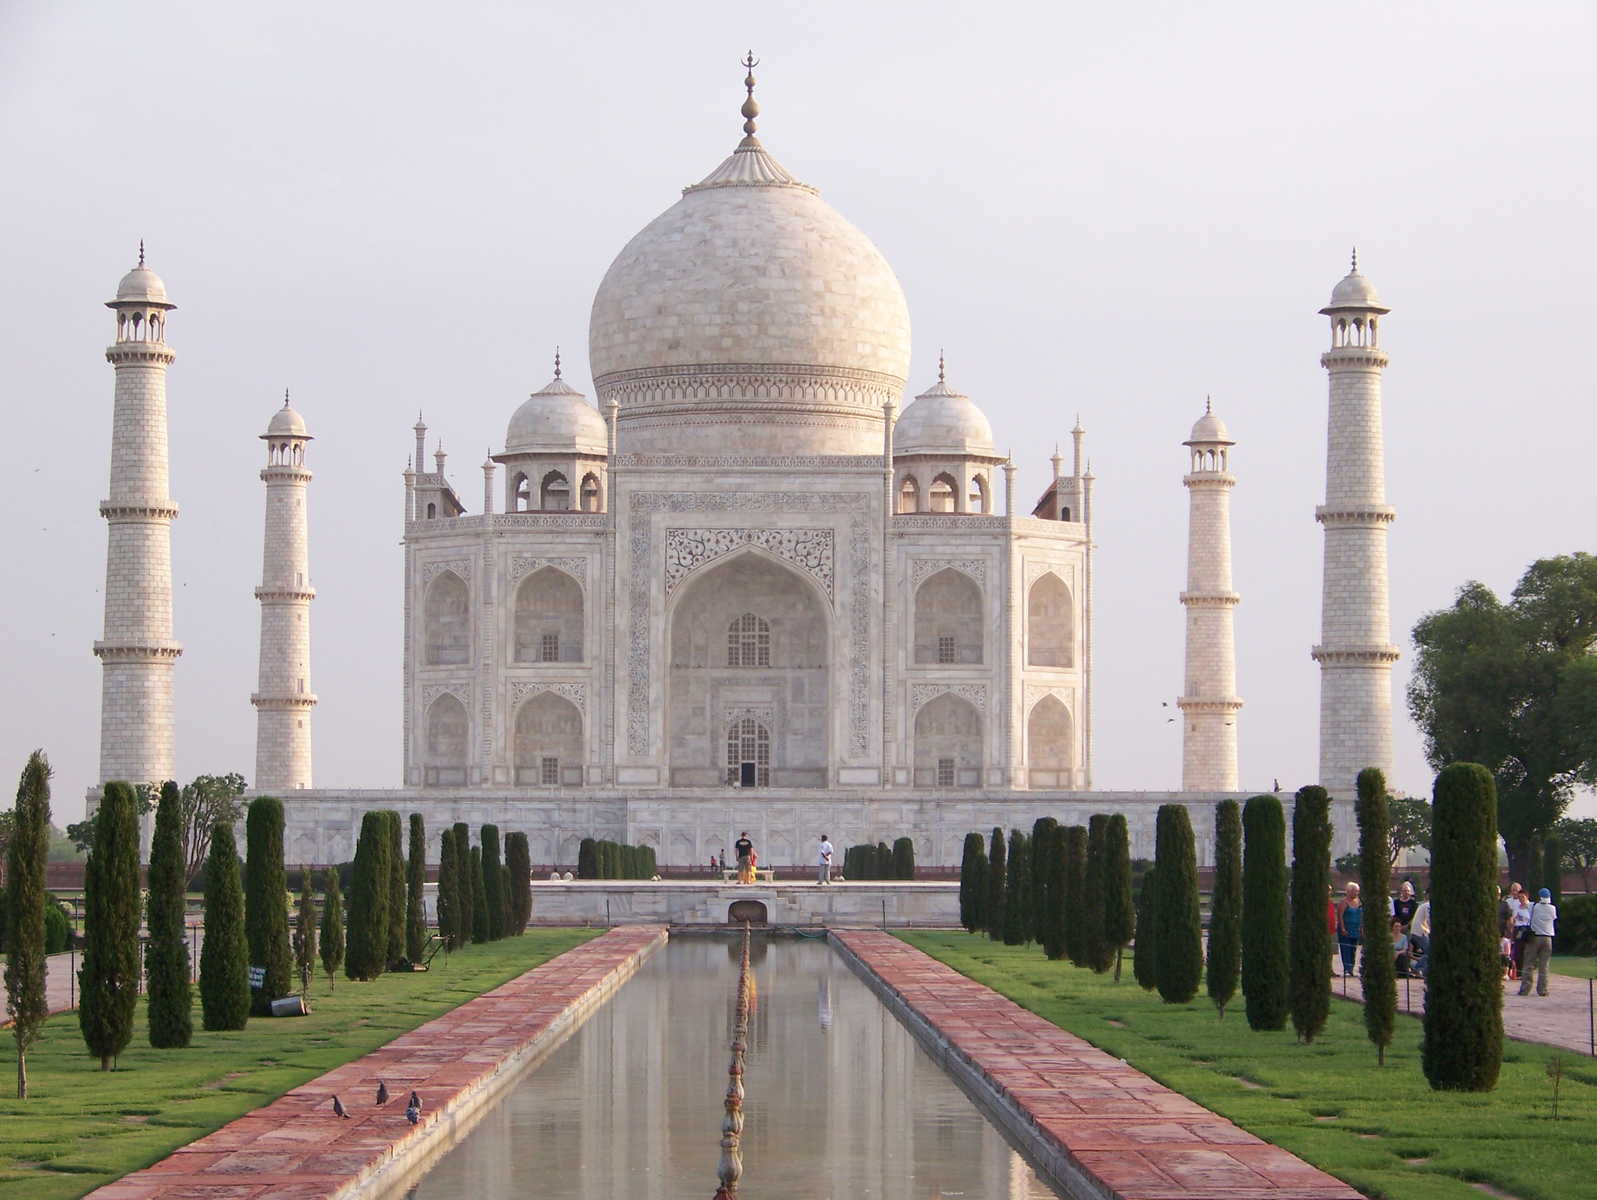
(82, 1128)
(1580, 966)
(1382, 1130)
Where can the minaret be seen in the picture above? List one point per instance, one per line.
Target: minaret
(1355, 651)
(137, 652)
(284, 700)
(1208, 700)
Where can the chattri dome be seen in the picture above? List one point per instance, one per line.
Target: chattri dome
(286, 422)
(554, 419)
(141, 286)
(1354, 291)
(1210, 428)
(943, 421)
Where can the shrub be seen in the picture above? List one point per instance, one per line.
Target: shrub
(1145, 956)
(398, 887)
(1462, 1048)
(1179, 965)
(1017, 918)
(1075, 839)
(1310, 977)
(57, 929)
(332, 938)
(1120, 915)
(1224, 967)
(493, 887)
(904, 858)
(416, 890)
(1375, 879)
(224, 954)
(367, 950)
(25, 912)
(997, 885)
(972, 881)
(166, 961)
(518, 870)
(1100, 954)
(1577, 925)
(1264, 949)
(109, 981)
(1042, 832)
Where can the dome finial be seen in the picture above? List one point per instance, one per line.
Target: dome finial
(285, 397)
(1208, 405)
(750, 109)
(141, 252)
(939, 364)
(557, 362)
(1355, 260)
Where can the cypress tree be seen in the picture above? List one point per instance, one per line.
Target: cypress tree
(332, 925)
(904, 858)
(997, 885)
(969, 881)
(1553, 868)
(25, 904)
(1311, 884)
(1375, 878)
(1075, 837)
(266, 900)
(109, 981)
(518, 868)
(305, 931)
(1120, 915)
(1145, 954)
(1179, 964)
(1099, 952)
(466, 921)
(493, 884)
(1056, 921)
(448, 892)
(588, 859)
(479, 905)
(415, 891)
(1264, 950)
(1225, 910)
(366, 952)
(224, 954)
(1017, 917)
(398, 888)
(166, 961)
(1463, 1044)
(1042, 899)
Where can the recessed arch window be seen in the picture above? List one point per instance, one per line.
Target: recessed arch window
(909, 495)
(948, 619)
(590, 492)
(748, 753)
(447, 622)
(977, 502)
(521, 493)
(1050, 624)
(748, 642)
(555, 493)
(548, 618)
(448, 735)
(942, 494)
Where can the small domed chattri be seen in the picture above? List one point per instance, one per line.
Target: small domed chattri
(1354, 291)
(1210, 429)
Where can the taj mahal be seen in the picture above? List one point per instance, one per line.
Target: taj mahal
(762, 580)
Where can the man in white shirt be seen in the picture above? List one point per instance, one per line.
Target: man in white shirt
(823, 867)
(1539, 946)
(1419, 934)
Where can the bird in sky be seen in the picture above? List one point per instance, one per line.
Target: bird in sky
(338, 1108)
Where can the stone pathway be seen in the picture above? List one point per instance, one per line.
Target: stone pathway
(296, 1149)
(1141, 1140)
(1560, 1018)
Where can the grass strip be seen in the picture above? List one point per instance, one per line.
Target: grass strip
(82, 1127)
(1381, 1129)
(1576, 966)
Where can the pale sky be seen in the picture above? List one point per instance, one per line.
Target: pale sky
(1105, 209)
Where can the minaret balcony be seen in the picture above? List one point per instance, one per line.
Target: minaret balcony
(1211, 599)
(1359, 358)
(1355, 514)
(138, 510)
(1373, 655)
(149, 354)
(298, 701)
(137, 650)
(285, 595)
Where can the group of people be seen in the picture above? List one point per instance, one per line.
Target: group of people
(1410, 919)
(748, 859)
(1527, 928)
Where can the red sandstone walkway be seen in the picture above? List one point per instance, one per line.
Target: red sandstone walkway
(1142, 1140)
(296, 1149)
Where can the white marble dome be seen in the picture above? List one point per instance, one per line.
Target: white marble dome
(1354, 291)
(750, 302)
(1210, 428)
(142, 286)
(556, 418)
(286, 422)
(943, 421)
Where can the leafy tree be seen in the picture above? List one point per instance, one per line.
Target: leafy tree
(1408, 825)
(1120, 914)
(205, 801)
(398, 888)
(972, 881)
(1578, 837)
(166, 961)
(266, 901)
(1462, 1048)
(1075, 883)
(493, 886)
(1145, 955)
(224, 955)
(1514, 687)
(1042, 831)
(997, 885)
(1179, 965)
(1099, 951)
(415, 891)
(27, 848)
(1017, 918)
(332, 948)
(367, 950)
(467, 919)
(81, 832)
(1375, 878)
(1553, 868)
(479, 900)
(1310, 978)
(108, 984)
(305, 932)
(518, 867)
(1225, 909)
(1264, 899)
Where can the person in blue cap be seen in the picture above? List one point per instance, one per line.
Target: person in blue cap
(1539, 946)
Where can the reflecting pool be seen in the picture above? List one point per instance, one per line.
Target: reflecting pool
(841, 1101)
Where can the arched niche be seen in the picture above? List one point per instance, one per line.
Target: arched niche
(1050, 744)
(976, 502)
(948, 743)
(548, 749)
(446, 624)
(1050, 624)
(554, 493)
(591, 496)
(448, 738)
(944, 494)
(949, 628)
(548, 618)
(909, 495)
(785, 683)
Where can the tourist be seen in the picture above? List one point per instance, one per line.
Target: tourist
(1402, 950)
(1505, 956)
(1349, 924)
(1541, 921)
(1519, 925)
(1419, 929)
(823, 865)
(744, 849)
(1405, 904)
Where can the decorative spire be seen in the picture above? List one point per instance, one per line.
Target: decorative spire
(285, 397)
(750, 108)
(557, 362)
(939, 364)
(1208, 406)
(1355, 269)
(141, 252)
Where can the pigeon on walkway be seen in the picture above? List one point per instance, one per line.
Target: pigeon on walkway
(413, 1114)
(338, 1108)
(415, 1101)
(382, 1093)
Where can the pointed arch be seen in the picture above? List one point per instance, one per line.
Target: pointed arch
(548, 746)
(549, 619)
(944, 494)
(909, 495)
(977, 501)
(948, 743)
(748, 753)
(591, 497)
(446, 625)
(554, 493)
(1050, 744)
(949, 628)
(520, 493)
(1050, 624)
(448, 739)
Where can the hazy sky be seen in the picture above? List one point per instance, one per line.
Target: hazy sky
(1103, 209)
